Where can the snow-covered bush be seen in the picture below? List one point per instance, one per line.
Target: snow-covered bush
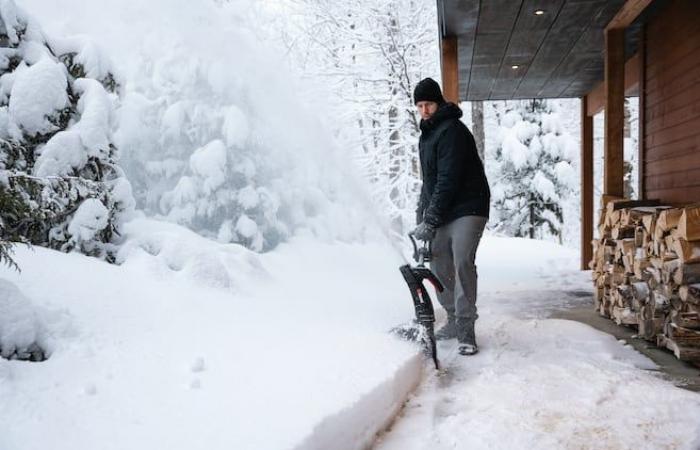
(531, 171)
(57, 158)
(22, 331)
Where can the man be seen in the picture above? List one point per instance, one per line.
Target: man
(453, 208)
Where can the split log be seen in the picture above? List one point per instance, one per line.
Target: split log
(625, 253)
(688, 321)
(641, 237)
(684, 353)
(658, 247)
(641, 295)
(668, 290)
(609, 247)
(687, 274)
(682, 335)
(663, 258)
(624, 316)
(655, 279)
(668, 219)
(669, 241)
(637, 215)
(640, 268)
(669, 269)
(623, 232)
(690, 293)
(689, 224)
(649, 223)
(688, 252)
(597, 297)
(662, 302)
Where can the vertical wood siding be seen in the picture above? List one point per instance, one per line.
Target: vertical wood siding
(671, 166)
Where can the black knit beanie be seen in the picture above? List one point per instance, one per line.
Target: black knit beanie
(427, 90)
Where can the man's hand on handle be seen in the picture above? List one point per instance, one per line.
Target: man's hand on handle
(424, 232)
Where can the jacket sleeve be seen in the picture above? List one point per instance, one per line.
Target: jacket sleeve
(420, 207)
(452, 156)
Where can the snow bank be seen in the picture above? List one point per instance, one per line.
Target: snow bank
(166, 250)
(356, 427)
(194, 344)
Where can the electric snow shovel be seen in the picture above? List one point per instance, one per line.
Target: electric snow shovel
(422, 327)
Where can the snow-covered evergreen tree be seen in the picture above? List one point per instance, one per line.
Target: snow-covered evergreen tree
(57, 159)
(530, 171)
(216, 138)
(10, 207)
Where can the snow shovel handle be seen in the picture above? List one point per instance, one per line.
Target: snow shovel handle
(423, 254)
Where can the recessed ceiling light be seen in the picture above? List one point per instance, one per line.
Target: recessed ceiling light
(515, 66)
(539, 12)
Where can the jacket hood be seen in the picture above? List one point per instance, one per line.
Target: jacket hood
(444, 112)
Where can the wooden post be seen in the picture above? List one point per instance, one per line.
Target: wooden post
(614, 111)
(450, 69)
(641, 142)
(586, 184)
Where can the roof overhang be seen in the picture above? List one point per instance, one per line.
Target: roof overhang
(506, 49)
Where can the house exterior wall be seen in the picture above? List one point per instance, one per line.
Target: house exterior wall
(670, 157)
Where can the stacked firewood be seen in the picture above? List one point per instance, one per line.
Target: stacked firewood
(646, 270)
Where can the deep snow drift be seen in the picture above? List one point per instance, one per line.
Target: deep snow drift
(195, 344)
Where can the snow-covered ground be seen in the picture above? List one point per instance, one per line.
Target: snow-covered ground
(193, 344)
(541, 383)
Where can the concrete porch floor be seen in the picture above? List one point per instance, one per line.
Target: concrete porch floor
(681, 374)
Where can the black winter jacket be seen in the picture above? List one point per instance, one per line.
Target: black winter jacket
(454, 182)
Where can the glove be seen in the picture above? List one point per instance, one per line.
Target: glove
(424, 232)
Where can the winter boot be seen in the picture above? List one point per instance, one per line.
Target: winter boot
(448, 331)
(466, 337)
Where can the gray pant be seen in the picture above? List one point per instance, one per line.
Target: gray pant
(454, 252)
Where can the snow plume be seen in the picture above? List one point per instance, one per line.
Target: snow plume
(57, 101)
(364, 59)
(212, 131)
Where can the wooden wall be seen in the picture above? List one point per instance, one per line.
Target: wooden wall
(671, 104)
